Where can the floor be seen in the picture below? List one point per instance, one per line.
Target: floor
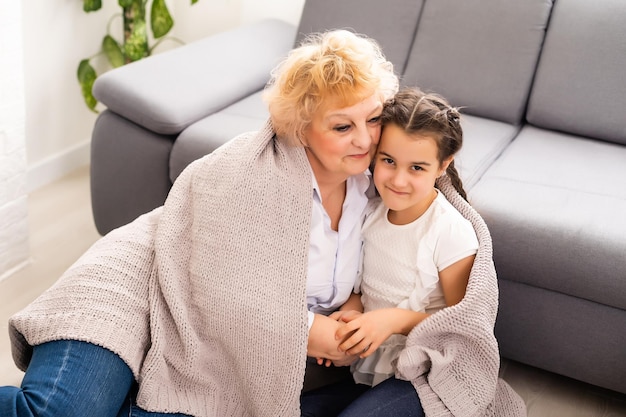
(62, 229)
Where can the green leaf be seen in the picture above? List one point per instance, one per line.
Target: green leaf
(160, 19)
(194, 1)
(92, 5)
(136, 46)
(125, 3)
(113, 52)
(86, 77)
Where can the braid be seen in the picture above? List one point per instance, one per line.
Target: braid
(455, 179)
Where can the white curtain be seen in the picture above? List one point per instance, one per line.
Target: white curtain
(14, 245)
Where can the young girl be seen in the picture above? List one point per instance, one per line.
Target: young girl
(425, 251)
(418, 249)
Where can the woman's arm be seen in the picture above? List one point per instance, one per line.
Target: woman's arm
(353, 303)
(352, 307)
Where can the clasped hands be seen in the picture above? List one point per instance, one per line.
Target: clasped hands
(344, 336)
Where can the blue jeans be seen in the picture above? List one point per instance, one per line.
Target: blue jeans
(390, 398)
(74, 379)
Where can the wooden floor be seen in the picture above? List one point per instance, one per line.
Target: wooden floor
(62, 229)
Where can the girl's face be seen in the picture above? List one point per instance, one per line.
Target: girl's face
(341, 142)
(405, 173)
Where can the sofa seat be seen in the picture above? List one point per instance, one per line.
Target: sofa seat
(558, 234)
(208, 134)
(557, 231)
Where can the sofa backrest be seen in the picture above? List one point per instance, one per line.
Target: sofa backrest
(391, 23)
(480, 54)
(580, 87)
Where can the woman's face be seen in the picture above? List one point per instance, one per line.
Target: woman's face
(340, 142)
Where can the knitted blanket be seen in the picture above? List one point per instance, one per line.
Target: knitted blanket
(452, 357)
(204, 298)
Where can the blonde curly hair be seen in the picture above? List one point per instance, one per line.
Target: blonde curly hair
(338, 67)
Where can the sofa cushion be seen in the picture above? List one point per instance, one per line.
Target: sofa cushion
(580, 87)
(483, 141)
(551, 203)
(208, 134)
(479, 53)
(391, 23)
(165, 97)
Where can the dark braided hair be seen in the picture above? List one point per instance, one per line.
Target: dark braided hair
(417, 112)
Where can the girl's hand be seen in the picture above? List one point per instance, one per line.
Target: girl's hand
(369, 330)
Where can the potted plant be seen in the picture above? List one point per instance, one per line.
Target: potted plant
(135, 43)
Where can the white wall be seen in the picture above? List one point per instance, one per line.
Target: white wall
(57, 34)
(14, 244)
(210, 16)
(204, 18)
(287, 10)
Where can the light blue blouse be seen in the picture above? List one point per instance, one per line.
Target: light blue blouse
(335, 256)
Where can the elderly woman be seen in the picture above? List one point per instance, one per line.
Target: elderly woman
(210, 305)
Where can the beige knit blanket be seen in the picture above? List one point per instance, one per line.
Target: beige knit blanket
(452, 357)
(204, 298)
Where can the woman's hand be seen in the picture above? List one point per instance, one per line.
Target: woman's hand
(337, 316)
(346, 361)
(323, 344)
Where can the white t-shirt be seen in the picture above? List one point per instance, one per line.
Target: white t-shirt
(335, 256)
(401, 265)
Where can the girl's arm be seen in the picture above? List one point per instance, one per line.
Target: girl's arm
(454, 280)
(371, 329)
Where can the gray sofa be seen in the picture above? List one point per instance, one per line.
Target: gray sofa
(543, 90)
